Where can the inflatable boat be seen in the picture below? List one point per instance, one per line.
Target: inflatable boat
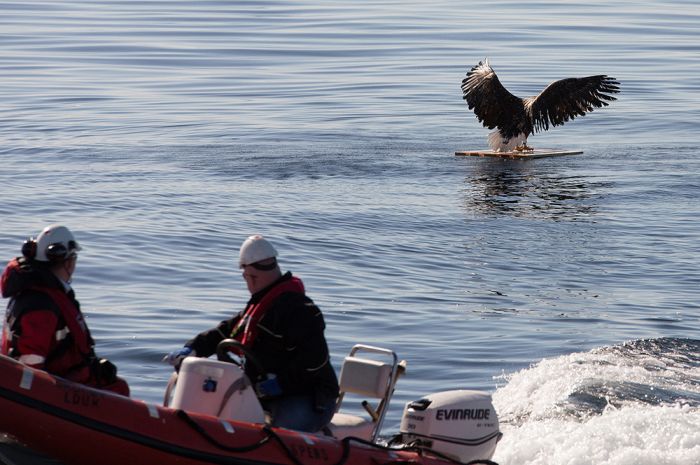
(210, 415)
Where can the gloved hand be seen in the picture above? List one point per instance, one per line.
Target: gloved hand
(176, 357)
(104, 371)
(269, 387)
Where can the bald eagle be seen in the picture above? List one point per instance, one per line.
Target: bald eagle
(516, 118)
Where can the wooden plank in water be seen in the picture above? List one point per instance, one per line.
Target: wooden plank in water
(537, 153)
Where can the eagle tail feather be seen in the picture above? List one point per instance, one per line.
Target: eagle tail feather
(499, 143)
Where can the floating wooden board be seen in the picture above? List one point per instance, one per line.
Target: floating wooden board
(537, 153)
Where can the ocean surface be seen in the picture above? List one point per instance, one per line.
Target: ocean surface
(164, 132)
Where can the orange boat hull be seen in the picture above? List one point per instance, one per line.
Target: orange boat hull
(80, 425)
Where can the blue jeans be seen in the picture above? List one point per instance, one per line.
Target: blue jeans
(299, 413)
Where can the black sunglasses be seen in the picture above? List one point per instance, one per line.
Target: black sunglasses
(59, 250)
(260, 266)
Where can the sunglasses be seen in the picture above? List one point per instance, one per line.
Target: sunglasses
(59, 250)
(260, 266)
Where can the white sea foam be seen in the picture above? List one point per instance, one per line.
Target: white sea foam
(615, 406)
(635, 435)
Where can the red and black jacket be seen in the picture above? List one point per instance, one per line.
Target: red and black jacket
(44, 327)
(290, 341)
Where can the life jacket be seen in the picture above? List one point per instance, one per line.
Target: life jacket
(73, 319)
(247, 328)
(71, 348)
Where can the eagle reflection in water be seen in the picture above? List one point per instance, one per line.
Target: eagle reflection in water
(516, 189)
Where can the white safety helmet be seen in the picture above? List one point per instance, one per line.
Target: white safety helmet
(254, 249)
(55, 243)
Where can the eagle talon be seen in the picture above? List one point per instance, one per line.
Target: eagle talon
(524, 148)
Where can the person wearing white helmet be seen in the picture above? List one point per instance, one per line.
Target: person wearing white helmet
(44, 327)
(283, 331)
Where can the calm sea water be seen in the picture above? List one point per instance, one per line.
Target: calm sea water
(165, 132)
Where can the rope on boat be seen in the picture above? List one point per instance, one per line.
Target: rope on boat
(195, 426)
(271, 434)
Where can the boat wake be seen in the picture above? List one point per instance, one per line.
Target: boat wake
(638, 402)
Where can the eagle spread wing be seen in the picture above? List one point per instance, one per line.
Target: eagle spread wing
(568, 98)
(561, 101)
(493, 105)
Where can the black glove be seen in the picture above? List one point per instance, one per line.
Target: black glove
(104, 371)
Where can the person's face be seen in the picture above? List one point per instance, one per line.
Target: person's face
(257, 278)
(252, 279)
(65, 269)
(71, 264)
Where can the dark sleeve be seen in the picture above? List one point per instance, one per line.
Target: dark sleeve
(204, 344)
(304, 338)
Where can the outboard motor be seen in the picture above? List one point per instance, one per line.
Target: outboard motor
(460, 424)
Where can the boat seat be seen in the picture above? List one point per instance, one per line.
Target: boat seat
(362, 377)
